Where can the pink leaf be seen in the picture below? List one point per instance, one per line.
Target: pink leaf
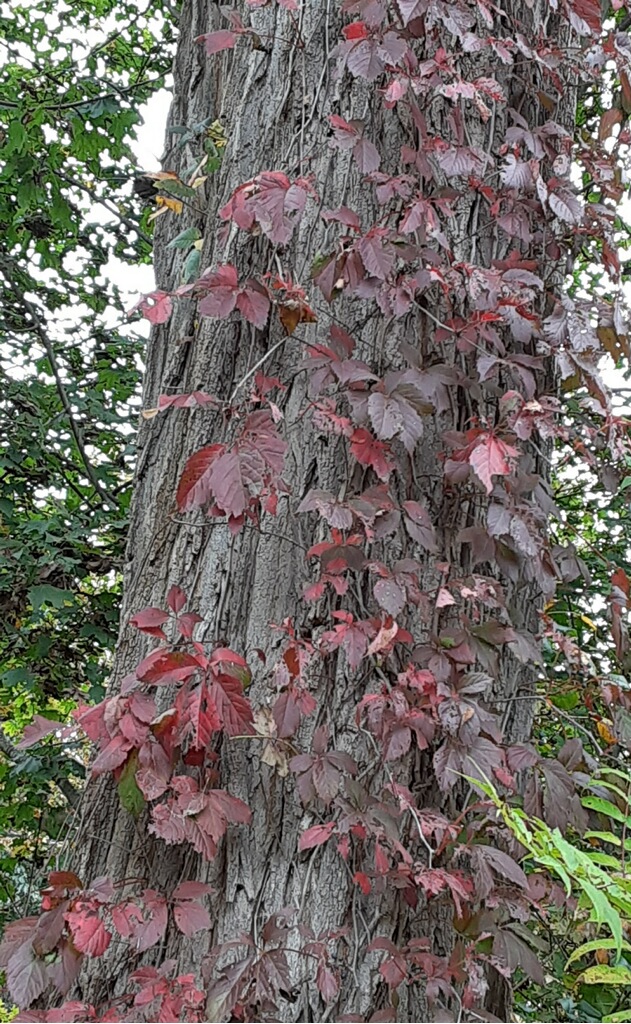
(190, 917)
(226, 484)
(156, 307)
(492, 457)
(191, 891)
(89, 934)
(224, 39)
(316, 836)
(328, 983)
(366, 156)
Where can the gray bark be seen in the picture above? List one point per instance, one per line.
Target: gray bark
(274, 102)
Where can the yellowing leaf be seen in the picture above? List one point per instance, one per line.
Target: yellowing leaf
(588, 622)
(602, 974)
(175, 205)
(605, 733)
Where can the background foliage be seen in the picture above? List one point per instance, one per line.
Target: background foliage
(72, 80)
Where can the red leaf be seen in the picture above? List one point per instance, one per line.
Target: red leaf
(89, 934)
(36, 731)
(150, 620)
(234, 709)
(223, 39)
(371, 452)
(200, 717)
(316, 836)
(356, 30)
(156, 307)
(176, 599)
(161, 668)
(492, 457)
(193, 489)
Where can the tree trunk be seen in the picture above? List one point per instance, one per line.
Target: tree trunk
(274, 97)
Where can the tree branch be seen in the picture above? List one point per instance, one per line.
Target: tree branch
(61, 390)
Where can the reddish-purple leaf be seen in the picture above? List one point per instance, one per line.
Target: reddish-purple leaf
(419, 526)
(221, 287)
(190, 917)
(390, 596)
(113, 755)
(253, 301)
(193, 489)
(154, 769)
(26, 976)
(36, 731)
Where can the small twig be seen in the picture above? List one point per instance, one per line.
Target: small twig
(127, 221)
(257, 365)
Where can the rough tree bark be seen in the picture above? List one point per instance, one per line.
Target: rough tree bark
(274, 101)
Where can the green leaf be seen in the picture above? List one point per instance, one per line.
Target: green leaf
(190, 270)
(604, 911)
(45, 594)
(185, 239)
(129, 794)
(620, 1015)
(598, 803)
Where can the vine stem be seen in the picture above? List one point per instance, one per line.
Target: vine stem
(257, 366)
